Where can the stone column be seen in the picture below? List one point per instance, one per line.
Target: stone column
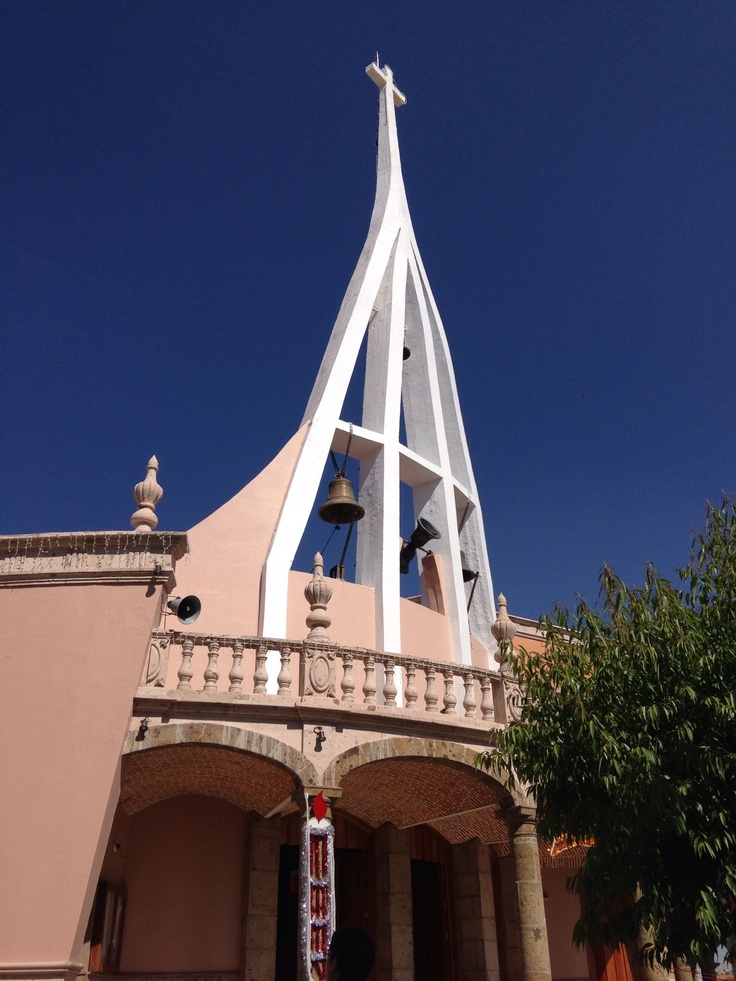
(649, 970)
(261, 902)
(475, 912)
(509, 954)
(683, 971)
(394, 931)
(528, 893)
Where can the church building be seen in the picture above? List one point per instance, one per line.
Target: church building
(212, 758)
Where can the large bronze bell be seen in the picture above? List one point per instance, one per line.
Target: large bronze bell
(341, 508)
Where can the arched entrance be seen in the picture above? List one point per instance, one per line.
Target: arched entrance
(189, 876)
(204, 858)
(435, 831)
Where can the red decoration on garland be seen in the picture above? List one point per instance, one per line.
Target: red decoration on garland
(319, 806)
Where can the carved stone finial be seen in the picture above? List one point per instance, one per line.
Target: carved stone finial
(318, 594)
(147, 493)
(504, 630)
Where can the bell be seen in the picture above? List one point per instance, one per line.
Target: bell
(341, 508)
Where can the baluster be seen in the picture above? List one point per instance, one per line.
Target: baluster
(449, 700)
(389, 685)
(210, 674)
(347, 684)
(369, 685)
(469, 702)
(430, 693)
(411, 694)
(486, 702)
(185, 671)
(260, 675)
(236, 671)
(284, 676)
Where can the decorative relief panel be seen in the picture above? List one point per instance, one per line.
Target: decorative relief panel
(157, 662)
(319, 677)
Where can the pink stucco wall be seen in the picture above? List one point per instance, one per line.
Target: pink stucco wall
(72, 657)
(479, 654)
(562, 909)
(352, 609)
(224, 565)
(228, 548)
(184, 868)
(115, 853)
(424, 633)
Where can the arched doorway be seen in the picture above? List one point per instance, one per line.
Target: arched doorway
(434, 924)
(435, 834)
(190, 875)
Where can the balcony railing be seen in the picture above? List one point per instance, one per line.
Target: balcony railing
(233, 667)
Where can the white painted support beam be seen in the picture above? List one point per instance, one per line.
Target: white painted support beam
(389, 295)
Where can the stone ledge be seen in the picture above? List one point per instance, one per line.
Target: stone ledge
(223, 706)
(178, 976)
(90, 557)
(43, 971)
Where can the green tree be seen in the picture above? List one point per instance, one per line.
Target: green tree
(628, 738)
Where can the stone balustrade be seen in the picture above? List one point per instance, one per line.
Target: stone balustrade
(246, 666)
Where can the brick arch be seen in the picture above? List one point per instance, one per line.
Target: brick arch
(396, 747)
(249, 769)
(407, 782)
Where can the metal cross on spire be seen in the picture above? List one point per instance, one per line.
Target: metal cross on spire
(390, 298)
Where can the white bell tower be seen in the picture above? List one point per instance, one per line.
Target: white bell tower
(389, 296)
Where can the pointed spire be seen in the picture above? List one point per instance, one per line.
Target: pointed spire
(390, 182)
(147, 493)
(390, 298)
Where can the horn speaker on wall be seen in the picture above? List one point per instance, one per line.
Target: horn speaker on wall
(187, 609)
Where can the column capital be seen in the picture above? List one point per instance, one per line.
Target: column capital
(317, 802)
(520, 818)
(333, 793)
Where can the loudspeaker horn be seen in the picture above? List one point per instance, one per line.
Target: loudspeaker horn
(187, 609)
(424, 532)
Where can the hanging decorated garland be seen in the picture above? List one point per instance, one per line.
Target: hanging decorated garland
(317, 892)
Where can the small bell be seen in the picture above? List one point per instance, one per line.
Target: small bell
(341, 508)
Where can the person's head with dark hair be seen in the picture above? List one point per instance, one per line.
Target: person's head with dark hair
(351, 955)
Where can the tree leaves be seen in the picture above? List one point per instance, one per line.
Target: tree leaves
(628, 737)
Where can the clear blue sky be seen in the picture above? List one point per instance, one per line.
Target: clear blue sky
(186, 187)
